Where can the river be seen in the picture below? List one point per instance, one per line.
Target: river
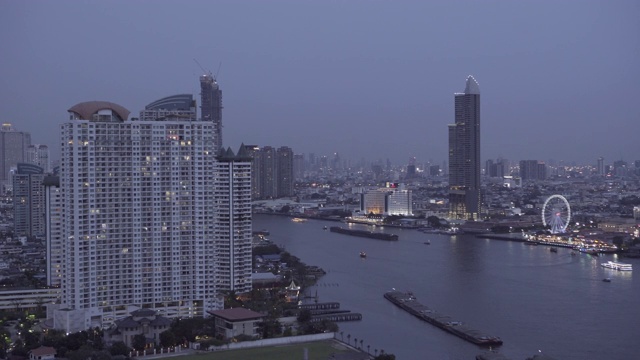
(532, 298)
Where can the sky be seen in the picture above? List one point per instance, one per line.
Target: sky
(367, 79)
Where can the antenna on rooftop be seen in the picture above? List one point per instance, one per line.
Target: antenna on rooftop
(203, 70)
(218, 72)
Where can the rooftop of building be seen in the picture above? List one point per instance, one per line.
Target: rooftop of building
(86, 110)
(236, 314)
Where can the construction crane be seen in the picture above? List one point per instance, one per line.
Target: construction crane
(215, 78)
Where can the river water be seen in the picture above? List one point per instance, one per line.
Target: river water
(535, 300)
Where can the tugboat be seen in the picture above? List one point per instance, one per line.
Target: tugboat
(363, 254)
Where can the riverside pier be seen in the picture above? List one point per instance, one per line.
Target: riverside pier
(409, 303)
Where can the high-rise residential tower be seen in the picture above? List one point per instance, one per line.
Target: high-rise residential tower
(13, 149)
(138, 215)
(233, 221)
(465, 198)
(211, 104)
(284, 170)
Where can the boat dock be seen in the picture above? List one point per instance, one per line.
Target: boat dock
(409, 303)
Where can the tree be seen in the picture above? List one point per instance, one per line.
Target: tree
(167, 338)
(433, 221)
(119, 348)
(139, 342)
(304, 316)
(618, 241)
(384, 356)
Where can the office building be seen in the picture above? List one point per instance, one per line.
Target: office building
(393, 199)
(211, 105)
(138, 216)
(233, 221)
(465, 198)
(533, 170)
(13, 148)
(39, 155)
(28, 200)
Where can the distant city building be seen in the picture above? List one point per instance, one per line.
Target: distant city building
(175, 107)
(298, 166)
(13, 148)
(498, 168)
(53, 230)
(39, 155)
(620, 168)
(434, 170)
(600, 166)
(533, 170)
(233, 221)
(211, 105)
(465, 198)
(138, 216)
(28, 200)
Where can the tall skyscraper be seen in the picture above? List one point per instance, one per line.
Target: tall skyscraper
(13, 148)
(465, 198)
(28, 200)
(211, 105)
(233, 221)
(138, 215)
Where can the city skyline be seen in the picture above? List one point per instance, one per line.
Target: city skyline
(373, 81)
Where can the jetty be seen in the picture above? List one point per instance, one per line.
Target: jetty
(364, 233)
(409, 303)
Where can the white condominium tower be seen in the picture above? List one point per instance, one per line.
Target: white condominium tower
(233, 221)
(138, 216)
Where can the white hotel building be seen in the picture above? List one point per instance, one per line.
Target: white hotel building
(138, 216)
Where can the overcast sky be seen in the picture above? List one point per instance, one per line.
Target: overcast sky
(373, 79)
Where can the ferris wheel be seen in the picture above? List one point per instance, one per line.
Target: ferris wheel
(556, 213)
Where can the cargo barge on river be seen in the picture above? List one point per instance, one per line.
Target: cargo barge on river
(364, 233)
(409, 303)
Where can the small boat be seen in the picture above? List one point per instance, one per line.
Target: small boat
(325, 228)
(427, 242)
(363, 254)
(606, 280)
(553, 250)
(573, 253)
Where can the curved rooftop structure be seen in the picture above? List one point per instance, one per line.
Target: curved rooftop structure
(173, 102)
(86, 110)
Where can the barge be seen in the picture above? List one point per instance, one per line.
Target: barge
(364, 233)
(409, 303)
